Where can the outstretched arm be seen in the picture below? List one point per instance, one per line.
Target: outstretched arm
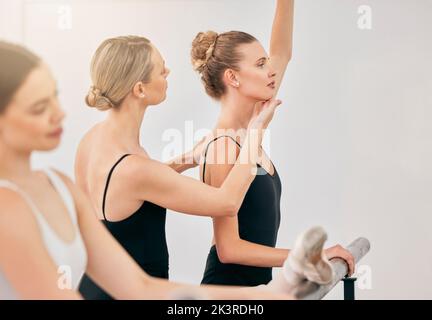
(114, 270)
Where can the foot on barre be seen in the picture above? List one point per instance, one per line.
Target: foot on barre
(306, 266)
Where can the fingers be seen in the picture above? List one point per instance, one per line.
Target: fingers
(349, 259)
(272, 103)
(270, 107)
(351, 264)
(263, 113)
(339, 252)
(277, 102)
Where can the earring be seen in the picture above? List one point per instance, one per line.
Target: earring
(237, 84)
(142, 95)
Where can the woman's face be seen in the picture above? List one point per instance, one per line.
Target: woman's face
(256, 75)
(157, 87)
(33, 119)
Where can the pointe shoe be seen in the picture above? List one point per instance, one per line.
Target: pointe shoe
(307, 259)
(306, 267)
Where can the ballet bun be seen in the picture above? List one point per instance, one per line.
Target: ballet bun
(95, 99)
(202, 49)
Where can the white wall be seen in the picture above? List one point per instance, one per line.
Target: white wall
(352, 142)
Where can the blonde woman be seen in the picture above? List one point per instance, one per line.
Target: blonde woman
(237, 71)
(129, 191)
(49, 233)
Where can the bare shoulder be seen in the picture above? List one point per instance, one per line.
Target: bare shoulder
(83, 206)
(10, 201)
(221, 155)
(66, 179)
(222, 151)
(84, 157)
(86, 142)
(70, 184)
(138, 168)
(17, 221)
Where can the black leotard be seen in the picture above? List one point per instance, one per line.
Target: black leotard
(258, 221)
(142, 235)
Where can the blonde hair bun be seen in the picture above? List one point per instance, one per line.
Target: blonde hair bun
(96, 99)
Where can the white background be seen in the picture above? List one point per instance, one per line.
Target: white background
(352, 141)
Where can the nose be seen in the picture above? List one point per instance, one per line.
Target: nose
(58, 114)
(272, 71)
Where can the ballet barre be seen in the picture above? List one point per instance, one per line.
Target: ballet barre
(358, 248)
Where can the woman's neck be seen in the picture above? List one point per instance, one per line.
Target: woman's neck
(14, 165)
(125, 125)
(236, 112)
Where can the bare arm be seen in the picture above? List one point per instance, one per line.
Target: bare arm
(115, 271)
(180, 164)
(184, 162)
(24, 259)
(189, 159)
(282, 39)
(156, 182)
(160, 184)
(230, 247)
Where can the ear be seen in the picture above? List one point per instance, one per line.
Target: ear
(139, 90)
(231, 78)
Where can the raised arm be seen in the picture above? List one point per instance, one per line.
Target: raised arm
(282, 39)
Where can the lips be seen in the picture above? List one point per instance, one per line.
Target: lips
(272, 84)
(56, 133)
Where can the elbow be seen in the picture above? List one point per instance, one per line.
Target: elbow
(288, 53)
(231, 209)
(288, 58)
(225, 255)
(228, 204)
(152, 288)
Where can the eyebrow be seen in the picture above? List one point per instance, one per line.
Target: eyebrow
(262, 58)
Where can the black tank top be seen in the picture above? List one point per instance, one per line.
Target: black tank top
(142, 235)
(258, 221)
